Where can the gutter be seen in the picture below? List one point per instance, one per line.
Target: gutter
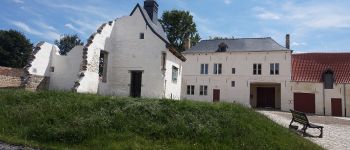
(344, 99)
(324, 102)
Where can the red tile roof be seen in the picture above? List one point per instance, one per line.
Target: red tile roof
(13, 72)
(309, 67)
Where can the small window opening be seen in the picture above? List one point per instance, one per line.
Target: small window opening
(222, 47)
(142, 35)
(233, 83)
(328, 79)
(163, 61)
(233, 70)
(175, 73)
(52, 69)
(103, 66)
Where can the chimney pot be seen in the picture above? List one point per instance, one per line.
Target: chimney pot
(187, 43)
(288, 41)
(151, 6)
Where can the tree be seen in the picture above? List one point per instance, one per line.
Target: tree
(178, 25)
(15, 49)
(67, 43)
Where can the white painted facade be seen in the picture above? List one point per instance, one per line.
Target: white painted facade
(323, 96)
(243, 77)
(127, 52)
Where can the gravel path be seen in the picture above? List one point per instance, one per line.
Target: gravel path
(336, 132)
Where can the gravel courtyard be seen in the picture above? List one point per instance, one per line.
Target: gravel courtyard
(336, 132)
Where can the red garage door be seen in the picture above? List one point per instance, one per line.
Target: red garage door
(304, 102)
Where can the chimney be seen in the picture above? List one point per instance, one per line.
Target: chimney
(187, 42)
(151, 7)
(287, 41)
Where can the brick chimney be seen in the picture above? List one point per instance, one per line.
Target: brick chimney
(288, 41)
(151, 6)
(187, 42)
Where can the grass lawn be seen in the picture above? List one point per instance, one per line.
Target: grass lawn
(59, 120)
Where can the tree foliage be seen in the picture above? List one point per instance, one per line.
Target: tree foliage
(178, 25)
(15, 49)
(67, 43)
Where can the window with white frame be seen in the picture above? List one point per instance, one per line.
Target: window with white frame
(274, 68)
(175, 73)
(256, 69)
(204, 68)
(203, 90)
(217, 68)
(190, 89)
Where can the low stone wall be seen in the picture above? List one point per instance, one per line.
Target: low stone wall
(36, 82)
(10, 82)
(10, 77)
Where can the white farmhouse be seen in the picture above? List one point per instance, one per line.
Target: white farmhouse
(129, 56)
(255, 72)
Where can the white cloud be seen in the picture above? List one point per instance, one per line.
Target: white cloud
(298, 44)
(45, 26)
(264, 14)
(23, 26)
(227, 2)
(72, 27)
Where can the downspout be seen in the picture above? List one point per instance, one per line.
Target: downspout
(324, 101)
(344, 99)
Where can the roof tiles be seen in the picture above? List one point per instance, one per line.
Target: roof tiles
(309, 67)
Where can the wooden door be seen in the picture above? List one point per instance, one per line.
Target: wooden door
(135, 85)
(216, 95)
(266, 97)
(336, 107)
(304, 102)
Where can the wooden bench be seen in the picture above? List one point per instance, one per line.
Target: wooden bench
(301, 118)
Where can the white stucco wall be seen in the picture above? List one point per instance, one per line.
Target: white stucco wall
(41, 63)
(317, 89)
(127, 52)
(90, 82)
(243, 62)
(173, 88)
(66, 68)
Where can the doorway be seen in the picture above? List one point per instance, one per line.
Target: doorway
(216, 95)
(135, 83)
(336, 107)
(265, 97)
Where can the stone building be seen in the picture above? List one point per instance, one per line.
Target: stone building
(129, 56)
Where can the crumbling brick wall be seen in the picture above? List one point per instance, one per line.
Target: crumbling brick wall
(10, 77)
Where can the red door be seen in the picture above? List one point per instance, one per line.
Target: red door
(336, 107)
(216, 95)
(304, 102)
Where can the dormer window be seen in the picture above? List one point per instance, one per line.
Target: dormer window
(222, 47)
(328, 79)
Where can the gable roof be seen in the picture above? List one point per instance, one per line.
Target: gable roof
(238, 45)
(158, 30)
(309, 67)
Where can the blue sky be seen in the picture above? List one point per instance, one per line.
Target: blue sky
(314, 25)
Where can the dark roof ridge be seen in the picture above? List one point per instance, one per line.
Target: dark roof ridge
(237, 38)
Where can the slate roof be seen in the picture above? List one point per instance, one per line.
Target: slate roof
(309, 67)
(238, 45)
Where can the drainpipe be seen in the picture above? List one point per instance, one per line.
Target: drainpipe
(344, 99)
(324, 101)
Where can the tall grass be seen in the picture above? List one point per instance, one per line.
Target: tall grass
(61, 120)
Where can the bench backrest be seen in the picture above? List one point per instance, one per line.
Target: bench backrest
(299, 117)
